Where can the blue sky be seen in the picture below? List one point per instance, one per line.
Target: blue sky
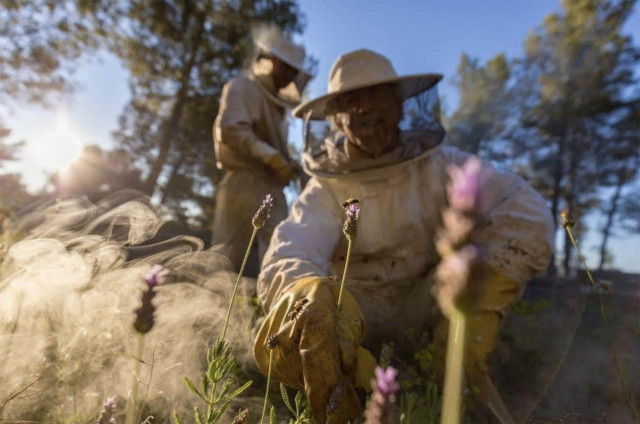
(418, 37)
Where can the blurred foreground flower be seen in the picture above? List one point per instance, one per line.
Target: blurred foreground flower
(106, 415)
(452, 273)
(380, 409)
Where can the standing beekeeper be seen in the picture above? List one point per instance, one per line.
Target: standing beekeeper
(250, 141)
(399, 178)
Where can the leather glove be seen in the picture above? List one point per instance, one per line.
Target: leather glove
(317, 349)
(280, 168)
(484, 303)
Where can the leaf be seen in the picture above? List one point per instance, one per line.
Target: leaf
(272, 416)
(241, 389)
(176, 418)
(285, 398)
(193, 388)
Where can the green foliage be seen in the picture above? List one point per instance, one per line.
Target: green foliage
(486, 103)
(301, 412)
(220, 363)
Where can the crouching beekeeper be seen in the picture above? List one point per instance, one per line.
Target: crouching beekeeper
(397, 169)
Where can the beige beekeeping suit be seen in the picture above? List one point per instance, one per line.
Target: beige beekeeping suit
(251, 127)
(394, 254)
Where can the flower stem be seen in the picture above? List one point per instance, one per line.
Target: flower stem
(632, 406)
(452, 399)
(133, 397)
(344, 274)
(266, 394)
(235, 288)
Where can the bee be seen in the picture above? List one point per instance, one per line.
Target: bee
(350, 201)
(298, 307)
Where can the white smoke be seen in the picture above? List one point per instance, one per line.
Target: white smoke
(68, 290)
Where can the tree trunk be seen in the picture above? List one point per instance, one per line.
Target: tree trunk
(168, 133)
(570, 200)
(555, 200)
(171, 124)
(606, 231)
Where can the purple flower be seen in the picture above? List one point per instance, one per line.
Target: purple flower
(380, 409)
(464, 187)
(156, 275)
(350, 226)
(385, 381)
(144, 314)
(106, 415)
(261, 216)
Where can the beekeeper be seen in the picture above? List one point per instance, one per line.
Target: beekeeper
(250, 141)
(399, 178)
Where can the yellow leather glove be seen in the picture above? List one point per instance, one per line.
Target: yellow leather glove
(280, 168)
(317, 350)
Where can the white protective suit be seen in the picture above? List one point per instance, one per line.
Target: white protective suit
(401, 197)
(250, 128)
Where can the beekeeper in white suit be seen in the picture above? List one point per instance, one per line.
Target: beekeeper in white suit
(250, 141)
(399, 178)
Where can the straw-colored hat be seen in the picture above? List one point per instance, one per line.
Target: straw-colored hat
(364, 68)
(285, 50)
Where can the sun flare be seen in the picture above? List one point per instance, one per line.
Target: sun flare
(61, 146)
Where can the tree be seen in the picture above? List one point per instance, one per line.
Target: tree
(576, 73)
(481, 118)
(619, 170)
(180, 53)
(39, 40)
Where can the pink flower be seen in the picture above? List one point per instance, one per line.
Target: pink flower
(464, 187)
(452, 274)
(156, 275)
(380, 409)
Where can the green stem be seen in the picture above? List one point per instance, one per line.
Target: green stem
(235, 288)
(212, 400)
(616, 363)
(133, 397)
(452, 399)
(266, 394)
(344, 274)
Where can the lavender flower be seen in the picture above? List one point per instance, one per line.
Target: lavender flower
(106, 415)
(261, 216)
(156, 275)
(350, 226)
(272, 341)
(452, 242)
(380, 409)
(464, 189)
(144, 314)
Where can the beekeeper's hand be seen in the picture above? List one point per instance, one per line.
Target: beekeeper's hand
(280, 168)
(317, 349)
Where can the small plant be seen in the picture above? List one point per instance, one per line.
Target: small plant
(219, 359)
(220, 363)
(301, 412)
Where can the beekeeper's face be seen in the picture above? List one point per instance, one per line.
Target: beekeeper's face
(369, 118)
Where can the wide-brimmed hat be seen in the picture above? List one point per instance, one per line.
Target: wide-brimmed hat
(286, 50)
(359, 69)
